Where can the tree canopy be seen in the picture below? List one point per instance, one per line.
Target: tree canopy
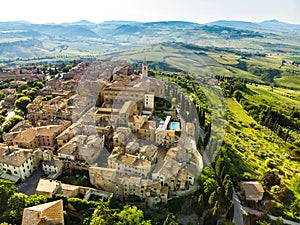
(10, 123)
(22, 102)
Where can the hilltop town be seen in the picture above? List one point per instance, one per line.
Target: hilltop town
(101, 117)
(79, 135)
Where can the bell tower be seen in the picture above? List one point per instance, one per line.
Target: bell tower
(145, 68)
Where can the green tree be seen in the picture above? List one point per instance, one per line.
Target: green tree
(22, 87)
(2, 95)
(212, 198)
(230, 212)
(10, 123)
(131, 215)
(3, 111)
(210, 185)
(211, 217)
(2, 119)
(22, 102)
(295, 208)
(7, 189)
(200, 205)
(47, 97)
(219, 165)
(103, 215)
(16, 204)
(17, 201)
(227, 185)
(34, 200)
(271, 179)
(38, 85)
(237, 95)
(171, 219)
(279, 221)
(32, 93)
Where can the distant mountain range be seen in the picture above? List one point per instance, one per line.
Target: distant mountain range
(274, 25)
(86, 28)
(21, 39)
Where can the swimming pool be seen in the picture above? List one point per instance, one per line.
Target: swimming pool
(175, 126)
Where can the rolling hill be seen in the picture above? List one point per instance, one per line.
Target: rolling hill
(88, 38)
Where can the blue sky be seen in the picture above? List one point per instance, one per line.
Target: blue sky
(201, 11)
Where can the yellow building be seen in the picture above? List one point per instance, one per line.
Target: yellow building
(38, 137)
(165, 138)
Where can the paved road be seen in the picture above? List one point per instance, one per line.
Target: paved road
(238, 213)
(252, 211)
(29, 185)
(284, 220)
(192, 189)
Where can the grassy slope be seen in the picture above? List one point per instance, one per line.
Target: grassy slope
(257, 145)
(211, 62)
(280, 99)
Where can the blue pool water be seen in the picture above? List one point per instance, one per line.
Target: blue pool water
(175, 126)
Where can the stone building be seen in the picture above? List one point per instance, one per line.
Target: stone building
(48, 188)
(57, 108)
(252, 190)
(39, 137)
(44, 214)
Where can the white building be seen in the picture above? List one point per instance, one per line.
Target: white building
(17, 164)
(52, 167)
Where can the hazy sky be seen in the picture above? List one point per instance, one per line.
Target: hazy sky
(201, 11)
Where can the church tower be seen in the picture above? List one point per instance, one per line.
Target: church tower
(145, 68)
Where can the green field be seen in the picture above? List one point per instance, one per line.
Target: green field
(294, 58)
(224, 58)
(280, 99)
(257, 145)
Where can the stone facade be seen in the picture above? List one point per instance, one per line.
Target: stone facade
(38, 137)
(44, 214)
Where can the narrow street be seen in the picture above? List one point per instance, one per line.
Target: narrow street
(284, 220)
(238, 213)
(29, 185)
